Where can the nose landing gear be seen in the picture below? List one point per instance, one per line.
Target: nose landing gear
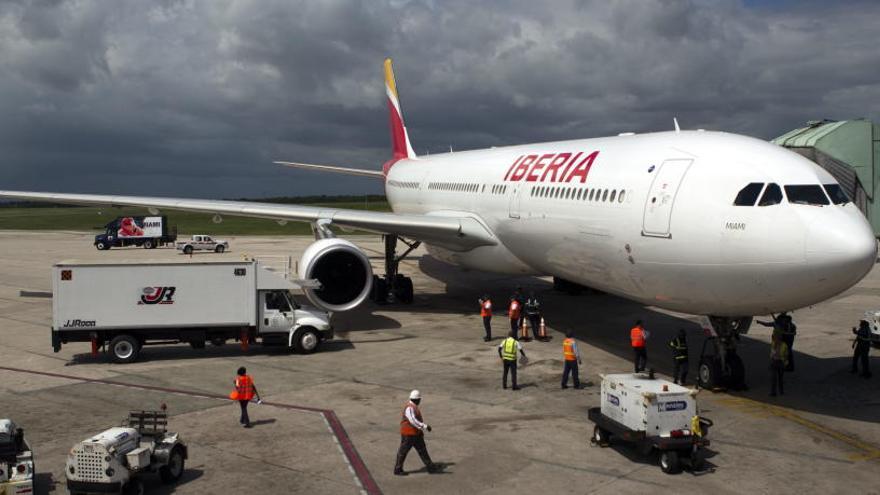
(720, 366)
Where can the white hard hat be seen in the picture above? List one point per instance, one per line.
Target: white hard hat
(414, 395)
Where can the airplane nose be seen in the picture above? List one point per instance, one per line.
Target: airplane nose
(841, 246)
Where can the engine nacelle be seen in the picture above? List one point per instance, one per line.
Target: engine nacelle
(343, 270)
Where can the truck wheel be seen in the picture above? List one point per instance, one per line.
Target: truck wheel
(600, 436)
(306, 340)
(218, 341)
(172, 472)
(102, 246)
(124, 349)
(188, 250)
(669, 461)
(134, 487)
(148, 244)
(197, 344)
(219, 249)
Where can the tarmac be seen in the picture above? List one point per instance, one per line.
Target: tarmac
(330, 421)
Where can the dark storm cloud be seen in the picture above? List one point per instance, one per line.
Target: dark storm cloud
(196, 98)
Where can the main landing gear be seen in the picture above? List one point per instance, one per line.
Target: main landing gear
(393, 287)
(720, 366)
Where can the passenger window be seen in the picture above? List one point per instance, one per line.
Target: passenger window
(808, 194)
(605, 195)
(835, 192)
(276, 301)
(592, 193)
(620, 197)
(613, 195)
(772, 195)
(749, 194)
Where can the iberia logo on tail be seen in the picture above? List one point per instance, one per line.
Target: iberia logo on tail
(400, 146)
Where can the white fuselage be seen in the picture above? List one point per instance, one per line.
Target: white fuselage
(649, 217)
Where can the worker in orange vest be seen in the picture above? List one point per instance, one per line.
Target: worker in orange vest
(486, 314)
(412, 434)
(514, 312)
(572, 358)
(638, 336)
(244, 392)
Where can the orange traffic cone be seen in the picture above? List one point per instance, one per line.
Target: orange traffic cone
(524, 331)
(542, 331)
(94, 346)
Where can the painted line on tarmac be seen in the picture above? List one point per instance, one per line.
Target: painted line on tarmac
(755, 408)
(362, 477)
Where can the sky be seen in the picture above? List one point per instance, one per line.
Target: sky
(195, 98)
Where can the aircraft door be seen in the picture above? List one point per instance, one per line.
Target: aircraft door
(514, 200)
(661, 197)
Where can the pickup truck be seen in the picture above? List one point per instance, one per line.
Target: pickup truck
(202, 243)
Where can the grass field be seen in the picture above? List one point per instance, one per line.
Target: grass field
(93, 219)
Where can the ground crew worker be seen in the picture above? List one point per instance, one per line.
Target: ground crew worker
(638, 337)
(244, 392)
(861, 346)
(521, 299)
(778, 361)
(784, 326)
(533, 313)
(507, 352)
(679, 347)
(572, 358)
(412, 434)
(486, 314)
(514, 312)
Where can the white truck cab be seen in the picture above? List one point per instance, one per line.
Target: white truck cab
(284, 320)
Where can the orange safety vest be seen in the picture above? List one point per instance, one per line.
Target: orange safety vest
(568, 350)
(514, 310)
(406, 428)
(244, 388)
(637, 337)
(486, 308)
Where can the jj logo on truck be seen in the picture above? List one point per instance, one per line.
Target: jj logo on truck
(157, 295)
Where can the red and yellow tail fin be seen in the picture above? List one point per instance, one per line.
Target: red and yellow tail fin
(400, 146)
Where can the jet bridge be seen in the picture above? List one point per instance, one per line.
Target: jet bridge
(850, 151)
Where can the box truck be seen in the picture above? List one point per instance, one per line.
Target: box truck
(147, 232)
(125, 306)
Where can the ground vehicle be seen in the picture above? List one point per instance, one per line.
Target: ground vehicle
(653, 414)
(113, 460)
(873, 319)
(201, 242)
(16, 461)
(129, 305)
(148, 232)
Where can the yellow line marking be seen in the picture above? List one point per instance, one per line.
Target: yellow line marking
(870, 452)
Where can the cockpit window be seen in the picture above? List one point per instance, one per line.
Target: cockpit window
(749, 194)
(807, 194)
(772, 195)
(835, 192)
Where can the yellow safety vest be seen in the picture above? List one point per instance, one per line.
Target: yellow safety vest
(508, 349)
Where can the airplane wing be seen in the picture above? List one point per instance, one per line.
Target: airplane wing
(457, 233)
(375, 174)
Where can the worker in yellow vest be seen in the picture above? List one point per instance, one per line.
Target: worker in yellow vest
(572, 358)
(507, 352)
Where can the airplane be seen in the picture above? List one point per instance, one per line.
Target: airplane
(705, 223)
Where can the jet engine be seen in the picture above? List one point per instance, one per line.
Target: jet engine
(343, 270)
